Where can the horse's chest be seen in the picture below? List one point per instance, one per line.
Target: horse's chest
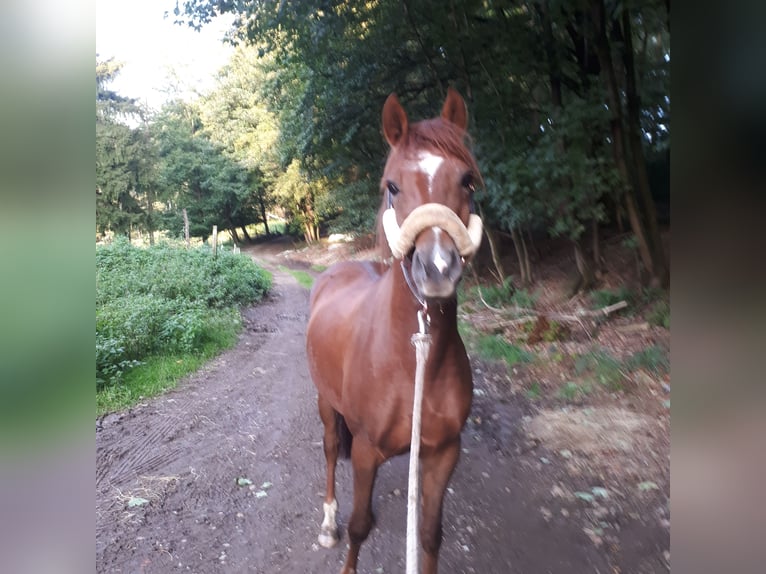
(389, 428)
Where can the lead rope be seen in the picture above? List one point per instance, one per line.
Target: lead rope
(422, 342)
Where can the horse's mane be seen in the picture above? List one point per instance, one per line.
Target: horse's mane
(437, 136)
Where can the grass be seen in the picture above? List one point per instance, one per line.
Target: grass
(570, 391)
(654, 359)
(304, 278)
(660, 314)
(318, 268)
(496, 348)
(606, 297)
(156, 375)
(161, 312)
(602, 368)
(534, 391)
(161, 372)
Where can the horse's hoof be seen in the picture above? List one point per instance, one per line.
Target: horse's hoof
(327, 539)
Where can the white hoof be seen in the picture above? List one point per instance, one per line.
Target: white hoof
(328, 534)
(327, 539)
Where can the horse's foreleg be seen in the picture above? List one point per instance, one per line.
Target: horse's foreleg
(328, 535)
(365, 460)
(437, 469)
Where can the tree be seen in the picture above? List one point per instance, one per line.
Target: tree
(566, 100)
(236, 117)
(119, 205)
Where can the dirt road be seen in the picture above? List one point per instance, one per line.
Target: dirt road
(168, 496)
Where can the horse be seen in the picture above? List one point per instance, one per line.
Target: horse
(362, 315)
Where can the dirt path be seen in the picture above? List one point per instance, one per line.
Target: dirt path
(251, 414)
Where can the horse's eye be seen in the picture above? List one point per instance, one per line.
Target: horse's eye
(392, 189)
(467, 182)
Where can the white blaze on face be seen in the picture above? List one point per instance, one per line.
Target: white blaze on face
(439, 262)
(429, 164)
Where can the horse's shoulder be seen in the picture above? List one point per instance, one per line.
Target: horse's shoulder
(348, 274)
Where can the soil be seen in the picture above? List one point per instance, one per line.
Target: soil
(226, 472)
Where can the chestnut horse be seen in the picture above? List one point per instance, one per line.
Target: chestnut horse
(364, 313)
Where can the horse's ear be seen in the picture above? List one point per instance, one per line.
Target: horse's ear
(454, 109)
(394, 121)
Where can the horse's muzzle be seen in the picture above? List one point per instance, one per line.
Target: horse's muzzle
(436, 264)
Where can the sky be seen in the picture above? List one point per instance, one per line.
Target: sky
(151, 47)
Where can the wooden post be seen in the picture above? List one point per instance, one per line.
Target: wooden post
(186, 228)
(215, 240)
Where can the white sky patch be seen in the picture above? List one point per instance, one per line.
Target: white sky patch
(160, 57)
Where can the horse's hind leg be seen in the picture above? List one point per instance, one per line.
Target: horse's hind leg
(365, 460)
(437, 468)
(328, 535)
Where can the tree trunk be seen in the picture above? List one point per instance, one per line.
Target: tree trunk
(233, 233)
(516, 236)
(245, 233)
(532, 245)
(264, 217)
(618, 136)
(150, 216)
(637, 152)
(597, 261)
(495, 258)
(587, 278)
(525, 253)
(186, 227)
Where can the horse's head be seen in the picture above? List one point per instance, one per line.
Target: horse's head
(428, 184)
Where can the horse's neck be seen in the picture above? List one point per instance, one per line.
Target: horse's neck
(443, 316)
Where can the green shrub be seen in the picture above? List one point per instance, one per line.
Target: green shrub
(496, 295)
(610, 372)
(534, 391)
(660, 314)
(165, 300)
(606, 297)
(602, 367)
(570, 390)
(111, 362)
(496, 348)
(654, 359)
(524, 299)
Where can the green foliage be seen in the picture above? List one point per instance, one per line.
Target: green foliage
(523, 299)
(606, 297)
(659, 302)
(294, 122)
(654, 359)
(159, 373)
(111, 361)
(570, 391)
(303, 278)
(534, 391)
(554, 332)
(497, 295)
(496, 348)
(602, 367)
(660, 314)
(166, 300)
